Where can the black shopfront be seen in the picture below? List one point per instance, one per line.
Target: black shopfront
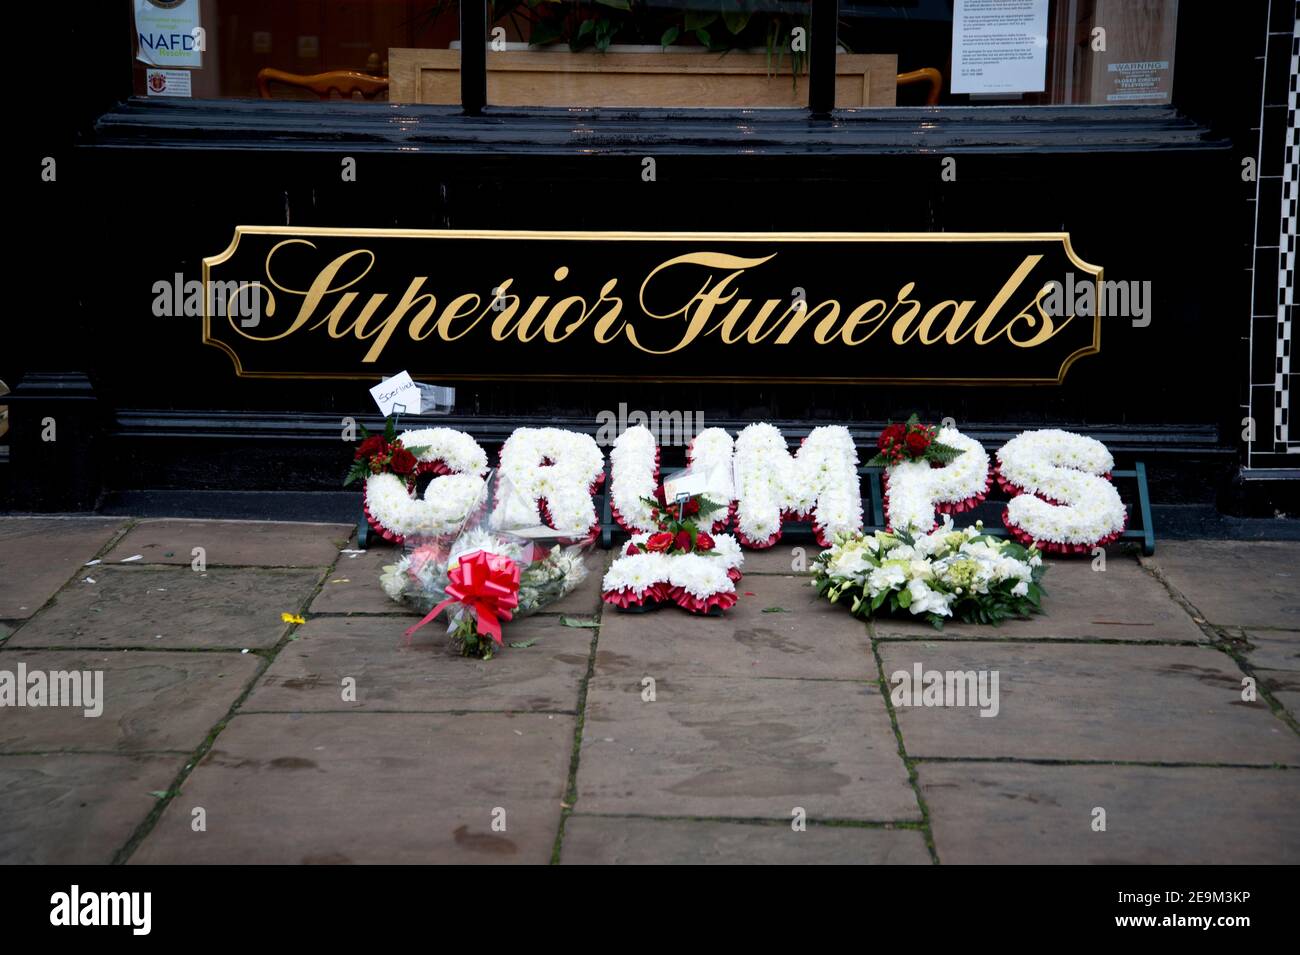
(1185, 200)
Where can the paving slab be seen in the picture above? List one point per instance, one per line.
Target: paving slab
(744, 748)
(1279, 681)
(171, 607)
(585, 600)
(1290, 700)
(353, 585)
(1024, 813)
(1093, 701)
(603, 840)
(241, 543)
(426, 675)
(1123, 602)
(1274, 649)
(151, 700)
(372, 788)
(76, 809)
(39, 554)
(781, 558)
(1241, 583)
(778, 628)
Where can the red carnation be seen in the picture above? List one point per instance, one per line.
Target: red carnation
(683, 541)
(703, 541)
(659, 543)
(403, 461)
(372, 445)
(893, 434)
(918, 441)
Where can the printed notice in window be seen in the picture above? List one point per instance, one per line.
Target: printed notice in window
(999, 46)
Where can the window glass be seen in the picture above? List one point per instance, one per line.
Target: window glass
(650, 53)
(663, 53)
(1029, 52)
(282, 49)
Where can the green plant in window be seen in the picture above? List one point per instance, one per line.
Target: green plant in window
(716, 25)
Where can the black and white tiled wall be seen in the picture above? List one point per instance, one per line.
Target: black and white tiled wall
(1271, 393)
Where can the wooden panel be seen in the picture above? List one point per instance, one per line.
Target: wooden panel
(535, 78)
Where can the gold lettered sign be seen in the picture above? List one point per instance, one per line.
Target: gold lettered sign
(963, 308)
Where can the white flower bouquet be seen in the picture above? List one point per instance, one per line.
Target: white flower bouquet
(947, 574)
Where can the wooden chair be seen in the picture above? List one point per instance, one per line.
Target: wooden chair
(927, 75)
(344, 82)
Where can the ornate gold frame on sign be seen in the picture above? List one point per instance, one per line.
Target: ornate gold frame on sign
(589, 236)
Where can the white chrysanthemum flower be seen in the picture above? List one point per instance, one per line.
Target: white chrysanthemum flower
(712, 454)
(633, 477)
(576, 464)
(1067, 468)
(453, 448)
(820, 480)
(447, 502)
(914, 487)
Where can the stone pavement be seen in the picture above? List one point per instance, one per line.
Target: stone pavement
(229, 735)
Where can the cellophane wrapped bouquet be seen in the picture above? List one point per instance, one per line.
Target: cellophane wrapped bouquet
(500, 566)
(949, 573)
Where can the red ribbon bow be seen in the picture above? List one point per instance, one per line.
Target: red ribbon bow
(487, 584)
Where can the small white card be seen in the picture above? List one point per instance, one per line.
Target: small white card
(398, 393)
(168, 82)
(537, 532)
(685, 483)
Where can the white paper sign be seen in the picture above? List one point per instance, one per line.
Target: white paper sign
(999, 46)
(537, 532)
(687, 482)
(397, 393)
(168, 33)
(168, 82)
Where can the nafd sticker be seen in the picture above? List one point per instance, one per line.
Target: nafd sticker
(168, 34)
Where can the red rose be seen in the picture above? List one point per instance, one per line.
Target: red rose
(693, 506)
(631, 550)
(918, 441)
(659, 543)
(372, 445)
(683, 541)
(403, 461)
(703, 541)
(893, 434)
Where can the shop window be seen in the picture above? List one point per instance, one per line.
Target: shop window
(1025, 52)
(657, 53)
(663, 53)
(288, 49)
